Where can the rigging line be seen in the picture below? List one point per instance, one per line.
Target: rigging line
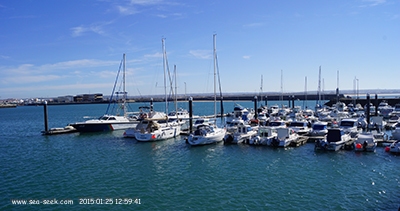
(115, 83)
(220, 89)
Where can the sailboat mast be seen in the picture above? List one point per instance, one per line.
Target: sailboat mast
(337, 89)
(215, 74)
(165, 79)
(123, 84)
(305, 92)
(281, 98)
(176, 92)
(261, 88)
(319, 86)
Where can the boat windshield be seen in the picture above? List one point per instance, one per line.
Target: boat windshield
(274, 124)
(319, 127)
(347, 124)
(199, 121)
(296, 124)
(104, 118)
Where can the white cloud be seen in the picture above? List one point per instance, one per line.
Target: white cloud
(155, 55)
(146, 2)
(29, 73)
(202, 54)
(253, 25)
(127, 10)
(373, 3)
(246, 57)
(95, 28)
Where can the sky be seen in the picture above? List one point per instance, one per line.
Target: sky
(68, 47)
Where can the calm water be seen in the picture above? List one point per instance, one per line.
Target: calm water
(171, 175)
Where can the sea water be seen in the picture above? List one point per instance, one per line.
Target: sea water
(104, 171)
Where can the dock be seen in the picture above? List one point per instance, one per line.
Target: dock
(300, 141)
(59, 130)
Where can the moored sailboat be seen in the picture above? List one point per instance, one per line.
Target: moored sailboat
(157, 126)
(209, 134)
(109, 122)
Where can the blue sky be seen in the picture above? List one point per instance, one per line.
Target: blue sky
(53, 48)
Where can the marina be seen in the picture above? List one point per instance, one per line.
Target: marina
(173, 174)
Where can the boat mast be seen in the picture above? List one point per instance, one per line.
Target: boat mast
(319, 86)
(305, 93)
(337, 89)
(123, 85)
(176, 93)
(215, 74)
(261, 89)
(165, 79)
(281, 98)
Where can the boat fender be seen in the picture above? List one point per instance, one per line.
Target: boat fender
(387, 149)
(358, 146)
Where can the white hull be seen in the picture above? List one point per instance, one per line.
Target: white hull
(395, 147)
(98, 125)
(209, 138)
(264, 137)
(261, 140)
(160, 134)
(369, 148)
(317, 133)
(396, 134)
(334, 146)
(365, 142)
(240, 138)
(284, 143)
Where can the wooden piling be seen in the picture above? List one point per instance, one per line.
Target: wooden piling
(46, 124)
(190, 115)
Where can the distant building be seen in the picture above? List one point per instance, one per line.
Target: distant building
(65, 99)
(88, 98)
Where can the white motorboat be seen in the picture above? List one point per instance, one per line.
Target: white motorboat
(394, 147)
(151, 130)
(334, 140)
(232, 126)
(104, 123)
(396, 131)
(239, 113)
(156, 127)
(264, 136)
(277, 123)
(385, 109)
(242, 134)
(109, 122)
(181, 116)
(206, 134)
(319, 129)
(285, 136)
(365, 142)
(349, 126)
(300, 127)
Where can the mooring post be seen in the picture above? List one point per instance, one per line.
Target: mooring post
(266, 101)
(151, 104)
(292, 101)
(376, 104)
(190, 114)
(255, 108)
(46, 125)
(368, 111)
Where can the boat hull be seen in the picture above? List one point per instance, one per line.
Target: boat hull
(158, 135)
(102, 127)
(213, 138)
